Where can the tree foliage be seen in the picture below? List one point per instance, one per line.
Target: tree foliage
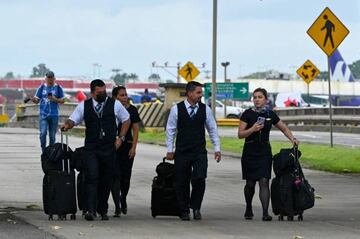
(9, 76)
(355, 69)
(39, 71)
(121, 79)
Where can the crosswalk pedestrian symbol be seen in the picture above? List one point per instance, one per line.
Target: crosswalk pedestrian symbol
(308, 71)
(189, 72)
(328, 31)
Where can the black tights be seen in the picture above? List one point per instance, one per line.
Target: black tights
(264, 194)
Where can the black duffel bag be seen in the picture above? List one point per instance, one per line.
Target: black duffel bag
(303, 193)
(51, 158)
(166, 173)
(304, 196)
(78, 159)
(285, 160)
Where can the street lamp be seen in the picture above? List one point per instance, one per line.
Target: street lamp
(225, 64)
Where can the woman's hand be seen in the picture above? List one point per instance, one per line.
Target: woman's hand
(257, 127)
(295, 141)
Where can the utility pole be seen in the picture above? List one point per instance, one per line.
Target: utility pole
(214, 47)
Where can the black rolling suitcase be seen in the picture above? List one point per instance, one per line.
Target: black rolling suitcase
(59, 193)
(78, 157)
(163, 196)
(81, 192)
(291, 193)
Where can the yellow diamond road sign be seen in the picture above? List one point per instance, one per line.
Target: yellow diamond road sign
(328, 31)
(308, 71)
(189, 72)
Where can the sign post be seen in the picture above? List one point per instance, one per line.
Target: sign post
(308, 72)
(328, 32)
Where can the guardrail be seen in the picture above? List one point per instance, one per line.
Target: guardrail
(345, 119)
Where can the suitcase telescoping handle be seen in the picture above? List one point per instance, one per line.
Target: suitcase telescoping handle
(65, 150)
(297, 163)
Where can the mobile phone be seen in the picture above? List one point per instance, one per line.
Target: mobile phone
(49, 94)
(260, 120)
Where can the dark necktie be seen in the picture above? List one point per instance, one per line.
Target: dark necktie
(98, 107)
(192, 112)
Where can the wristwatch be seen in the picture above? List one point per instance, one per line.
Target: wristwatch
(122, 138)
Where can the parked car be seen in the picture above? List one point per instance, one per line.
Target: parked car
(232, 112)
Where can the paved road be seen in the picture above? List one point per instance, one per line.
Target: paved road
(336, 215)
(13, 228)
(351, 140)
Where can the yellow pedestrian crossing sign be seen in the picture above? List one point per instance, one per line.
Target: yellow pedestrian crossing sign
(328, 31)
(308, 71)
(189, 72)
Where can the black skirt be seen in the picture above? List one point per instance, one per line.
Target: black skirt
(256, 160)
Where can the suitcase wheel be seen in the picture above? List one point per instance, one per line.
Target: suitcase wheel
(153, 215)
(62, 217)
(290, 218)
(281, 218)
(51, 217)
(73, 217)
(300, 217)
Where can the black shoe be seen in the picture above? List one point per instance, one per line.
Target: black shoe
(123, 205)
(185, 216)
(117, 214)
(248, 214)
(197, 214)
(104, 217)
(89, 216)
(267, 218)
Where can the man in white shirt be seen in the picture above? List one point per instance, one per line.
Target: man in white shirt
(101, 115)
(188, 120)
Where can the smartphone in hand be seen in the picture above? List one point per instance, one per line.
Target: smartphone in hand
(260, 120)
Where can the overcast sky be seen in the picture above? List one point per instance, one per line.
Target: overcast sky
(253, 35)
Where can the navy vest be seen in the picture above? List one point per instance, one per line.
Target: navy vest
(94, 124)
(191, 132)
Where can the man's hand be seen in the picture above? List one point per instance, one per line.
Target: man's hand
(118, 143)
(34, 100)
(170, 156)
(218, 156)
(69, 124)
(132, 152)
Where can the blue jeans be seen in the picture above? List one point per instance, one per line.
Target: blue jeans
(51, 123)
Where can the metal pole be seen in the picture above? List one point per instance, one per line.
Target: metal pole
(213, 85)
(330, 107)
(178, 73)
(308, 93)
(225, 82)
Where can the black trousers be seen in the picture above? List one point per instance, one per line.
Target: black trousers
(99, 171)
(123, 169)
(190, 167)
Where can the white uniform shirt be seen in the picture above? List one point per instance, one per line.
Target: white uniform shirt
(121, 114)
(210, 125)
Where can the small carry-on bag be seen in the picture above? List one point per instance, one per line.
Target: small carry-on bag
(163, 196)
(59, 193)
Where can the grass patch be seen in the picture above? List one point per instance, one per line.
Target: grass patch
(339, 159)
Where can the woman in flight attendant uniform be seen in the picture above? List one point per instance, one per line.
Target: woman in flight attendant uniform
(256, 161)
